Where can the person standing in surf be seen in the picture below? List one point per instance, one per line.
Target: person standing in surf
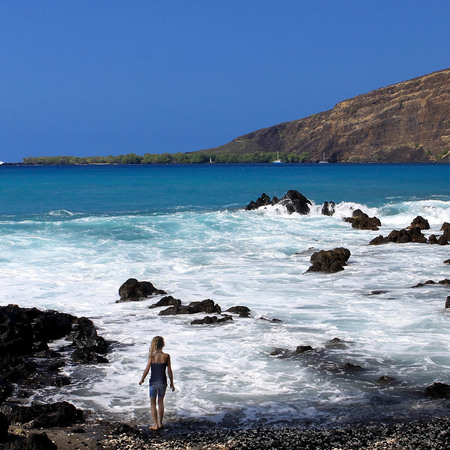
(157, 364)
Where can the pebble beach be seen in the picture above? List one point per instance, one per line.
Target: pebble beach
(432, 434)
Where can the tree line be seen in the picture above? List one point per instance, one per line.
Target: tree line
(170, 158)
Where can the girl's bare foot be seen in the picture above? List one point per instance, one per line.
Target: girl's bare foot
(154, 427)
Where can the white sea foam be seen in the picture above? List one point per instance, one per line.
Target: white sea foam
(258, 259)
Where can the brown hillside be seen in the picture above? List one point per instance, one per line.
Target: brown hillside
(405, 122)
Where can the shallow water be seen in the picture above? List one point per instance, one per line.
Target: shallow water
(70, 236)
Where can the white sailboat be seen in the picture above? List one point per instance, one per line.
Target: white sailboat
(278, 160)
(323, 159)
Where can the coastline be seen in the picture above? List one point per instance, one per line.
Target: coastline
(420, 434)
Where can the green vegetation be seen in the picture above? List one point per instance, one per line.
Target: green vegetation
(171, 158)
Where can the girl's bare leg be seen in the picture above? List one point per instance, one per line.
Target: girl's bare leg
(160, 411)
(154, 414)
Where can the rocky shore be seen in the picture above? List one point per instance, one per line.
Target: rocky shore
(432, 434)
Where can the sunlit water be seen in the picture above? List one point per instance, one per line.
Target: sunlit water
(71, 236)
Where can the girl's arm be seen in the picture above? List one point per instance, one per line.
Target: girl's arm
(149, 363)
(169, 371)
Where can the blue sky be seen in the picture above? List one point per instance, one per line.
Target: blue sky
(111, 77)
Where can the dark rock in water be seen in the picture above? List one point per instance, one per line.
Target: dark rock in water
(22, 371)
(352, 367)
(335, 343)
(362, 221)
(293, 201)
(329, 260)
(4, 425)
(303, 349)
(16, 332)
(25, 358)
(447, 302)
(211, 320)
(279, 351)
(86, 356)
(445, 238)
(444, 282)
(270, 320)
(38, 441)
(420, 222)
(51, 325)
(243, 311)
(385, 380)
(51, 415)
(62, 381)
(432, 239)
(438, 390)
(264, 200)
(133, 290)
(328, 208)
(378, 292)
(447, 261)
(86, 336)
(424, 284)
(205, 306)
(401, 237)
(166, 301)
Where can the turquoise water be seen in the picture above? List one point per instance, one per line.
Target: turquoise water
(70, 236)
(154, 189)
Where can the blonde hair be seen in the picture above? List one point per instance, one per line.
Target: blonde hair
(157, 344)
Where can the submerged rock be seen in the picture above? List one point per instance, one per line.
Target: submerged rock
(335, 344)
(86, 356)
(352, 367)
(438, 390)
(362, 221)
(330, 261)
(444, 282)
(447, 302)
(378, 292)
(133, 290)
(303, 349)
(385, 380)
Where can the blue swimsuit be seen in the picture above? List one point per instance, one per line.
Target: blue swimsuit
(158, 380)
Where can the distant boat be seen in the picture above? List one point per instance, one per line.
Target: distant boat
(323, 159)
(211, 161)
(278, 160)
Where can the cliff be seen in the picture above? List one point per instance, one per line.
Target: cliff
(405, 122)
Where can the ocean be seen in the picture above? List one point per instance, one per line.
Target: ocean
(70, 236)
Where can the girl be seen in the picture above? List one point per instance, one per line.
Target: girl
(157, 363)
